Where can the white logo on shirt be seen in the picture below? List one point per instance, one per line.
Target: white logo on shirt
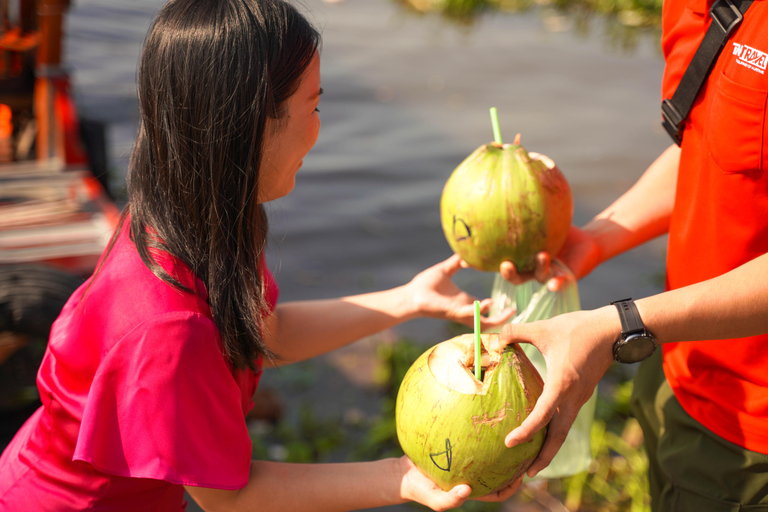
(749, 57)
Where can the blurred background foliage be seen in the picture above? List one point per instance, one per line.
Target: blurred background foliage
(623, 22)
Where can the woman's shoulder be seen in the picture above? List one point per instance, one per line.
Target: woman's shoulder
(124, 278)
(125, 301)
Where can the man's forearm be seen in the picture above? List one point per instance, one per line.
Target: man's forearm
(642, 213)
(734, 305)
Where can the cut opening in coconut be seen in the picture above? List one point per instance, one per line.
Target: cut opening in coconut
(452, 363)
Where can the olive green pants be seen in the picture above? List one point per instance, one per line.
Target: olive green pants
(691, 468)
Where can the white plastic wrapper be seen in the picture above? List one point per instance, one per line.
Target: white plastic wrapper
(534, 301)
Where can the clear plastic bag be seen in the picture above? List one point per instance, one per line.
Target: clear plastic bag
(533, 301)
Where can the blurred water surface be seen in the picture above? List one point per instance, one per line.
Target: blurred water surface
(406, 99)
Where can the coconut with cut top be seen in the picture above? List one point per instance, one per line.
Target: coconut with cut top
(452, 425)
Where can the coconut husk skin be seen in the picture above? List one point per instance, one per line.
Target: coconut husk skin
(505, 204)
(453, 426)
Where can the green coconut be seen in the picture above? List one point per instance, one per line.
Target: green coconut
(452, 425)
(505, 204)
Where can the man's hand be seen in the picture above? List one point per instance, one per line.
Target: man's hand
(577, 348)
(580, 254)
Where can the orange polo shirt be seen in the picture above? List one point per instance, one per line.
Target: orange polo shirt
(720, 220)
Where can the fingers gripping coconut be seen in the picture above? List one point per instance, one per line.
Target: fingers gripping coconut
(505, 204)
(452, 425)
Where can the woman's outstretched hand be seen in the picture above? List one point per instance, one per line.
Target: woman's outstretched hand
(434, 294)
(415, 486)
(577, 348)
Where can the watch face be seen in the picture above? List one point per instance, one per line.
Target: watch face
(635, 348)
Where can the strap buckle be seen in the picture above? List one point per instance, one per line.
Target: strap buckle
(672, 120)
(721, 14)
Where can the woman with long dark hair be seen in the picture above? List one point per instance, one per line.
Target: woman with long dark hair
(152, 364)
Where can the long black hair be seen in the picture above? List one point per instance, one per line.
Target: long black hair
(211, 73)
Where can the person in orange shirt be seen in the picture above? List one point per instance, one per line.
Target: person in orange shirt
(702, 398)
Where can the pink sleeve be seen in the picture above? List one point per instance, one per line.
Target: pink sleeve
(164, 405)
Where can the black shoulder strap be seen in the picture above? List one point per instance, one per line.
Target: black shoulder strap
(726, 16)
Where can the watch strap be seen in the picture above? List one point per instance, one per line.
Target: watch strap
(630, 317)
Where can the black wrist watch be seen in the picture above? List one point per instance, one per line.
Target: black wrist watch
(635, 343)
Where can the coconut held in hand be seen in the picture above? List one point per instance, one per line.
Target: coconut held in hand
(452, 425)
(505, 204)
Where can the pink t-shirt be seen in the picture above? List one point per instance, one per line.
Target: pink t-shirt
(138, 399)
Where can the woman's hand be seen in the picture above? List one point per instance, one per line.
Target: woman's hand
(414, 486)
(578, 349)
(580, 254)
(434, 294)
(337, 486)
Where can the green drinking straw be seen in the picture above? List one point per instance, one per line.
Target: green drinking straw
(495, 124)
(477, 340)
